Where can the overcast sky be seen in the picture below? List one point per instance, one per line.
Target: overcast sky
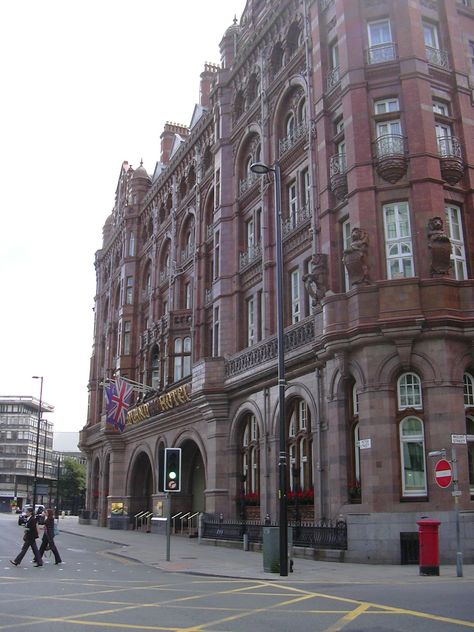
(85, 85)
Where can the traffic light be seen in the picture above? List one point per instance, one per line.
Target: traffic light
(172, 470)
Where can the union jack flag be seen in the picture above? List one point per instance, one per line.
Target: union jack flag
(118, 395)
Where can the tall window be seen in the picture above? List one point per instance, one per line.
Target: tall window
(469, 406)
(250, 455)
(250, 322)
(470, 451)
(216, 258)
(455, 234)
(305, 188)
(127, 329)
(381, 47)
(412, 451)
(295, 297)
(250, 234)
(129, 290)
(131, 245)
(292, 204)
(217, 189)
(398, 244)
(346, 242)
(471, 54)
(468, 390)
(260, 314)
(155, 368)
(430, 35)
(299, 446)
(409, 392)
(182, 357)
(187, 295)
(215, 333)
(389, 140)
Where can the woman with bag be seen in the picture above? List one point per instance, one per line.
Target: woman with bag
(48, 537)
(29, 540)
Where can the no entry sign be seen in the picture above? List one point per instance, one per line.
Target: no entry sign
(443, 473)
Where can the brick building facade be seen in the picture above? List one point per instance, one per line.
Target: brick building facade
(367, 108)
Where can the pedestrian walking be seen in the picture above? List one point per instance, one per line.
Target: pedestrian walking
(29, 540)
(48, 537)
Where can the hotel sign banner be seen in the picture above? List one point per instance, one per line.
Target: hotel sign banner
(162, 403)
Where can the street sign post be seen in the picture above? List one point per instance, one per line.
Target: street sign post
(443, 473)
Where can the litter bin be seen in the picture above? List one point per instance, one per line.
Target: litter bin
(429, 546)
(271, 549)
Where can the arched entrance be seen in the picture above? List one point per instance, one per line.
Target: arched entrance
(141, 485)
(193, 478)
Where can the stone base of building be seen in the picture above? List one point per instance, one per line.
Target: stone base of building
(378, 539)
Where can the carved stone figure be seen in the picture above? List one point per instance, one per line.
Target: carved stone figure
(439, 247)
(316, 281)
(355, 257)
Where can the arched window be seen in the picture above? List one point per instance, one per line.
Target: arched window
(182, 188)
(470, 451)
(250, 458)
(299, 448)
(276, 59)
(207, 159)
(468, 390)
(155, 368)
(290, 126)
(239, 105)
(412, 451)
(409, 391)
(191, 178)
(302, 111)
(292, 39)
(252, 88)
(354, 474)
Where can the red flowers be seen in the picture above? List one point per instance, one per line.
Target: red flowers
(303, 497)
(252, 498)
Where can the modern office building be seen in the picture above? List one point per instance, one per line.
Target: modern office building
(365, 107)
(18, 444)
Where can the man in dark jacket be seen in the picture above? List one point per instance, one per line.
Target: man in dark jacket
(29, 540)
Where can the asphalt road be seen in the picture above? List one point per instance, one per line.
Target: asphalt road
(100, 590)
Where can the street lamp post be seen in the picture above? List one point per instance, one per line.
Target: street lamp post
(262, 169)
(35, 480)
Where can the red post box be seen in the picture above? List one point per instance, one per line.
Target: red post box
(429, 546)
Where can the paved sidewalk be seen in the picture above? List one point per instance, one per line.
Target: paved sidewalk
(190, 556)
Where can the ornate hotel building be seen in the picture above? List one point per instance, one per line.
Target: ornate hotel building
(366, 106)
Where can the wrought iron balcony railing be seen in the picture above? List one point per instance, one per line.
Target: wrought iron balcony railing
(337, 165)
(247, 182)
(390, 145)
(437, 57)
(382, 53)
(252, 253)
(292, 222)
(289, 141)
(449, 147)
(332, 78)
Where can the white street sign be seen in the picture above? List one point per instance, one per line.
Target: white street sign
(458, 439)
(365, 444)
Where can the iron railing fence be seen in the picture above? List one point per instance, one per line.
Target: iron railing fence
(325, 534)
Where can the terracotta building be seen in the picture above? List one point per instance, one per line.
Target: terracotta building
(366, 106)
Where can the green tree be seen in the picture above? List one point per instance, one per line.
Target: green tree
(72, 480)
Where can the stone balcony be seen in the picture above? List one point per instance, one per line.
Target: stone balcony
(398, 305)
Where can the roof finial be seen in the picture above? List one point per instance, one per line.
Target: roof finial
(141, 162)
(235, 19)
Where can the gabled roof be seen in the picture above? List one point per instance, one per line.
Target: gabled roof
(198, 111)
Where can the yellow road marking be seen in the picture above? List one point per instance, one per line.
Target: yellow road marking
(347, 618)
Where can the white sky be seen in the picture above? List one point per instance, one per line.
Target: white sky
(85, 85)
